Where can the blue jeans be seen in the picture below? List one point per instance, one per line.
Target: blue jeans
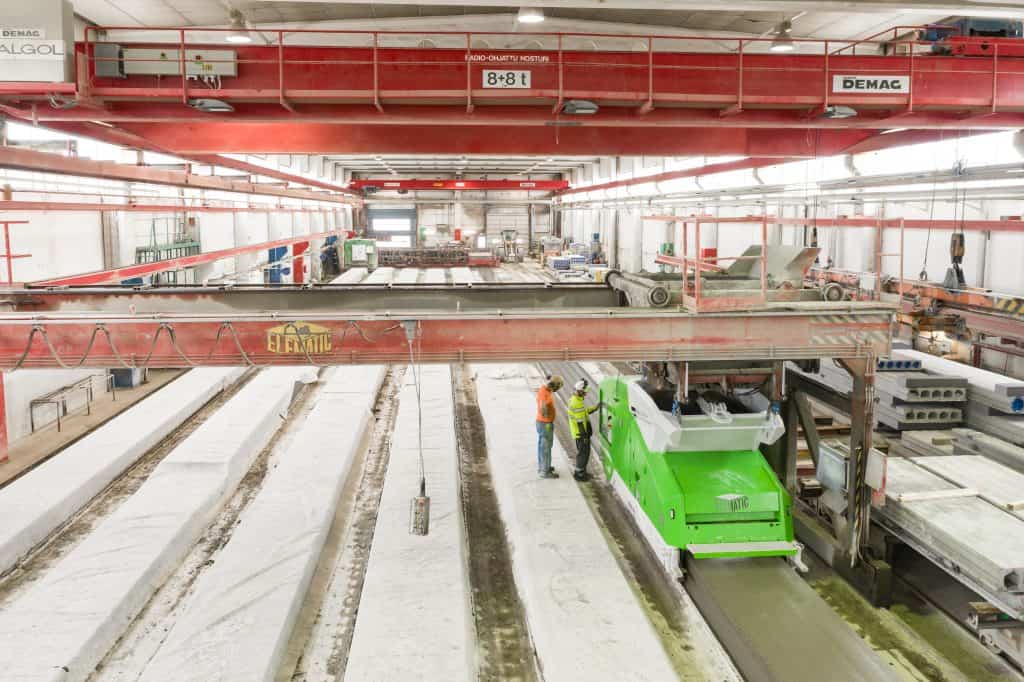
(545, 439)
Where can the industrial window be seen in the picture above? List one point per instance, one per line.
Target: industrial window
(392, 225)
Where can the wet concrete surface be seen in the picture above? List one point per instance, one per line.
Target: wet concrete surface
(504, 648)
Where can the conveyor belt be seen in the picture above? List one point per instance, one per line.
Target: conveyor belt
(775, 626)
(772, 623)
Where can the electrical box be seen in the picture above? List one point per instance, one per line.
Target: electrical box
(198, 62)
(109, 59)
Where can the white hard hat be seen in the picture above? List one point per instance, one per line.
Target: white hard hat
(581, 385)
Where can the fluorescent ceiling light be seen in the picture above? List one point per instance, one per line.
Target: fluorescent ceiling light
(530, 15)
(211, 105)
(783, 37)
(239, 33)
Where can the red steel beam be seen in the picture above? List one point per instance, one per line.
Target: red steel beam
(94, 340)
(253, 169)
(709, 169)
(462, 185)
(141, 270)
(43, 162)
(147, 208)
(188, 138)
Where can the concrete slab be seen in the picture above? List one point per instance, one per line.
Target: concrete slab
(351, 276)
(585, 621)
(414, 619)
(994, 482)
(63, 626)
(241, 613)
(379, 276)
(407, 276)
(41, 500)
(434, 276)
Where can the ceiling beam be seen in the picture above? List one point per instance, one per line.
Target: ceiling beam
(42, 162)
(212, 138)
(253, 169)
(742, 164)
(117, 275)
(1006, 8)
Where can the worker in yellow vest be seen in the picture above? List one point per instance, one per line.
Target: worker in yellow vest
(580, 428)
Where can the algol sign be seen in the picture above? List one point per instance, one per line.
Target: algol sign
(872, 85)
(19, 44)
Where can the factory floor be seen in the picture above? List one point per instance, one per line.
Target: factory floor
(258, 535)
(28, 452)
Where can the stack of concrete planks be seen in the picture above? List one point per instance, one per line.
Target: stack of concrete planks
(956, 526)
(907, 399)
(928, 443)
(995, 402)
(972, 442)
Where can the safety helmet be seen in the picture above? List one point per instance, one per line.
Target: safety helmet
(581, 385)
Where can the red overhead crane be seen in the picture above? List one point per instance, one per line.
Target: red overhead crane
(462, 185)
(366, 93)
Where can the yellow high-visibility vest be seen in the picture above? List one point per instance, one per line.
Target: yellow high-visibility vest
(579, 416)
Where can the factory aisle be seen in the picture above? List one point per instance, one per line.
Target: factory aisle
(585, 621)
(260, 579)
(72, 615)
(414, 619)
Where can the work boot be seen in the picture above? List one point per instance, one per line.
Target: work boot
(550, 473)
(581, 476)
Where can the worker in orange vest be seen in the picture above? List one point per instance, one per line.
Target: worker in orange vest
(546, 425)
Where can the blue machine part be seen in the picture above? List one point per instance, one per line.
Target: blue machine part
(974, 26)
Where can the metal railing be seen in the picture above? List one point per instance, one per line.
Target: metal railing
(696, 300)
(289, 62)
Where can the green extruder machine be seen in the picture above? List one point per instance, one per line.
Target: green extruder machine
(699, 478)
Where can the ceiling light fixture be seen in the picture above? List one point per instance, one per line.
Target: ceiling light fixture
(530, 15)
(239, 33)
(213, 106)
(838, 111)
(783, 41)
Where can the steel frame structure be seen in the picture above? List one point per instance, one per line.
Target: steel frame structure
(91, 339)
(116, 275)
(44, 162)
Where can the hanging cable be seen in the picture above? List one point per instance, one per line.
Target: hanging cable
(419, 522)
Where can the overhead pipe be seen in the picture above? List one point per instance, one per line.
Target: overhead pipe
(639, 291)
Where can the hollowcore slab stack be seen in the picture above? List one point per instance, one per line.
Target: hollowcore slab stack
(64, 624)
(906, 399)
(977, 543)
(989, 389)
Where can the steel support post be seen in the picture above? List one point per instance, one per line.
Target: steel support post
(861, 426)
(4, 450)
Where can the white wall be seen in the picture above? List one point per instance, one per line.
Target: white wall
(22, 386)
